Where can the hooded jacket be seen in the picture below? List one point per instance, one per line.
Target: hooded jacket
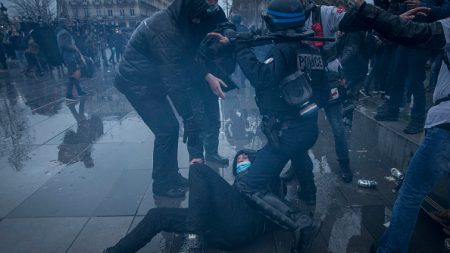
(155, 59)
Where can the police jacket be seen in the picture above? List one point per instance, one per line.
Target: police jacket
(154, 61)
(282, 60)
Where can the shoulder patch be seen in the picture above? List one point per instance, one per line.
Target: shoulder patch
(269, 60)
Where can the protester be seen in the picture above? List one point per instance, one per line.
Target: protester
(218, 216)
(154, 66)
(3, 53)
(72, 59)
(205, 102)
(324, 21)
(432, 159)
(409, 72)
(32, 56)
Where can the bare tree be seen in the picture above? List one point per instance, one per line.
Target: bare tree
(34, 9)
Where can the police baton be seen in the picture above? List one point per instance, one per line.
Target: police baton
(253, 40)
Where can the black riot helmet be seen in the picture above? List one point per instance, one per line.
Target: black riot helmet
(283, 15)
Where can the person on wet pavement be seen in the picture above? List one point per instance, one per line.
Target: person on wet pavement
(154, 69)
(73, 59)
(205, 102)
(431, 160)
(324, 20)
(217, 215)
(291, 129)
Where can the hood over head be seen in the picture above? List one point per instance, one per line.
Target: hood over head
(251, 157)
(183, 11)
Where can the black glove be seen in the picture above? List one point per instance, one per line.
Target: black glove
(191, 134)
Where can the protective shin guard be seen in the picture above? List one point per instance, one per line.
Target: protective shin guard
(303, 227)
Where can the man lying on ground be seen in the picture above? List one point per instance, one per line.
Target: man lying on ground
(217, 215)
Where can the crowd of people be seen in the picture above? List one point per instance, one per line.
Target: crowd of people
(292, 82)
(178, 62)
(33, 43)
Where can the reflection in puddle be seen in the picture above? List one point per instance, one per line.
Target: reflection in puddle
(343, 230)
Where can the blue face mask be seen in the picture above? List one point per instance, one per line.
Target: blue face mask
(242, 166)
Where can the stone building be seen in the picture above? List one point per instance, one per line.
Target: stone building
(122, 13)
(250, 11)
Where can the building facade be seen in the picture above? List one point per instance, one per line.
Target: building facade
(121, 13)
(250, 11)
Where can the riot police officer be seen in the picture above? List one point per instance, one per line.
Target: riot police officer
(290, 85)
(291, 127)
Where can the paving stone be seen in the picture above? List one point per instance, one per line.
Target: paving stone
(100, 233)
(126, 194)
(38, 235)
(24, 170)
(77, 190)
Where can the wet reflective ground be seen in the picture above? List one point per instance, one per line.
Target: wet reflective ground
(75, 177)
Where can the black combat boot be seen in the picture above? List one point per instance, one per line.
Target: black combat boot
(307, 195)
(345, 171)
(180, 181)
(305, 236)
(168, 190)
(217, 159)
(307, 191)
(414, 127)
(386, 113)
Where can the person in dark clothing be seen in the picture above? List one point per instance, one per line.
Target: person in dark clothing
(32, 56)
(45, 37)
(73, 59)
(206, 103)
(216, 211)
(290, 129)
(431, 160)
(354, 60)
(154, 67)
(118, 42)
(289, 111)
(218, 214)
(3, 53)
(409, 71)
(353, 52)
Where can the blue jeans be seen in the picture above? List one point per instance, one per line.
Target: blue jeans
(295, 143)
(334, 116)
(430, 162)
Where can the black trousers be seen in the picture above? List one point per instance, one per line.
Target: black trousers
(206, 106)
(159, 116)
(216, 211)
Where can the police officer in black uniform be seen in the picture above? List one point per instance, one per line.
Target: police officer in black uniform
(290, 85)
(291, 127)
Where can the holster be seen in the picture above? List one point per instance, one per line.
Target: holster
(270, 126)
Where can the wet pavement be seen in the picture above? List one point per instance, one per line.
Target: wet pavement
(75, 177)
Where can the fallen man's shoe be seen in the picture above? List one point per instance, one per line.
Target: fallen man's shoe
(304, 237)
(192, 243)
